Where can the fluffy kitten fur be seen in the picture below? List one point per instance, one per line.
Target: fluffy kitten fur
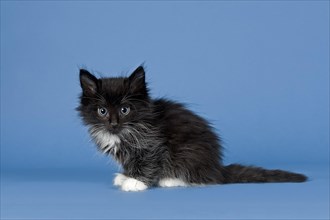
(158, 141)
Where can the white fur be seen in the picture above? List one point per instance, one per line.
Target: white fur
(171, 182)
(105, 140)
(131, 184)
(119, 179)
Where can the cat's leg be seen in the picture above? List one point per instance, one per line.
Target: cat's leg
(119, 179)
(142, 173)
(171, 182)
(140, 179)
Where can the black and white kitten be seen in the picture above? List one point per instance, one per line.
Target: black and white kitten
(158, 141)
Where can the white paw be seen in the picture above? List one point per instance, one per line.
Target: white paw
(119, 179)
(131, 184)
(171, 182)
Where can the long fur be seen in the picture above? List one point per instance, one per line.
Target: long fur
(160, 139)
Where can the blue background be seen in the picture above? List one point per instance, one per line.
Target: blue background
(259, 71)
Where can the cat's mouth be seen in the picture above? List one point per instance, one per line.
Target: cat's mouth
(114, 130)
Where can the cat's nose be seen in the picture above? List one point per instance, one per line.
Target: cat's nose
(114, 124)
(114, 121)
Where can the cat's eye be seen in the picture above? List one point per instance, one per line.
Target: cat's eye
(102, 111)
(125, 110)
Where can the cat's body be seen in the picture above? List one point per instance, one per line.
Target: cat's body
(158, 141)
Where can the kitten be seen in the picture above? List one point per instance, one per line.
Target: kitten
(158, 141)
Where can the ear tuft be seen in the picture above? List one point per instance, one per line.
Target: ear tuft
(88, 82)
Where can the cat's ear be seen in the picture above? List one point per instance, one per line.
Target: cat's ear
(137, 80)
(88, 82)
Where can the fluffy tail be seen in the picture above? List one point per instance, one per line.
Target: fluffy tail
(236, 173)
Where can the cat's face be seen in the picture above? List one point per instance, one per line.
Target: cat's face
(114, 106)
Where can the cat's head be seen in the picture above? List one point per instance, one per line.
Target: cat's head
(117, 106)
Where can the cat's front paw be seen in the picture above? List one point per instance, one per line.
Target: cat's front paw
(119, 179)
(131, 184)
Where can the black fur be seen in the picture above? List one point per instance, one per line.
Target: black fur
(161, 138)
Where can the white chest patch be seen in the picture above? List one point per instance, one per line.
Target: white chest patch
(105, 140)
(171, 182)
